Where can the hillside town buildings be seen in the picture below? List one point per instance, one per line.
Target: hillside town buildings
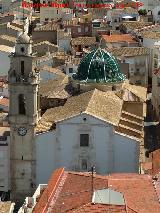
(79, 102)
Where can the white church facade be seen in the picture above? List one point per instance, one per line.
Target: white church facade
(97, 126)
(78, 145)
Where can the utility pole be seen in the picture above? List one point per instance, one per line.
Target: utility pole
(92, 183)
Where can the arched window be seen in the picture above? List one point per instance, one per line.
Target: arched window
(113, 88)
(21, 101)
(22, 67)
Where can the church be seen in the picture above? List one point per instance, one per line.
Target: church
(100, 123)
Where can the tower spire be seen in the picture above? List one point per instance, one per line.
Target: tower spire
(23, 19)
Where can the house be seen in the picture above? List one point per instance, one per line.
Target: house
(6, 17)
(48, 73)
(121, 40)
(149, 4)
(41, 48)
(5, 51)
(156, 79)
(51, 12)
(4, 161)
(152, 166)
(54, 92)
(130, 26)
(137, 59)
(64, 40)
(148, 36)
(5, 5)
(4, 104)
(4, 89)
(10, 30)
(71, 66)
(45, 32)
(116, 16)
(69, 191)
(79, 27)
(8, 40)
(156, 14)
(79, 43)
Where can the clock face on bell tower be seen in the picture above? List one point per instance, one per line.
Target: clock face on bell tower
(22, 131)
(24, 79)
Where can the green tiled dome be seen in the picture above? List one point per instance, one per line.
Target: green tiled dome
(99, 66)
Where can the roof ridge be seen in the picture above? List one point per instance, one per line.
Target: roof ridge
(90, 99)
(58, 174)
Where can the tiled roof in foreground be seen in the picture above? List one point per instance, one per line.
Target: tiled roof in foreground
(72, 192)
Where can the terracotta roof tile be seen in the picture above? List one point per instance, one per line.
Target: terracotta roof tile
(99, 208)
(4, 101)
(71, 192)
(119, 38)
(46, 195)
(153, 165)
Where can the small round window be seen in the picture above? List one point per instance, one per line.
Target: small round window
(22, 49)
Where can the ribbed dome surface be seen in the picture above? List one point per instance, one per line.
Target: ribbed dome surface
(99, 66)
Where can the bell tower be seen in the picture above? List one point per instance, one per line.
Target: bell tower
(24, 112)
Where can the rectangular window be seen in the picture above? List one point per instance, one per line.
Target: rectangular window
(86, 29)
(70, 70)
(22, 67)
(84, 139)
(79, 30)
(158, 82)
(155, 63)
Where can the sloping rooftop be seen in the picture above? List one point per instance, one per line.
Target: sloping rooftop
(83, 41)
(51, 26)
(56, 71)
(99, 208)
(129, 51)
(139, 91)
(150, 34)
(50, 86)
(7, 49)
(8, 38)
(44, 42)
(107, 108)
(119, 38)
(72, 192)
(135, 24)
